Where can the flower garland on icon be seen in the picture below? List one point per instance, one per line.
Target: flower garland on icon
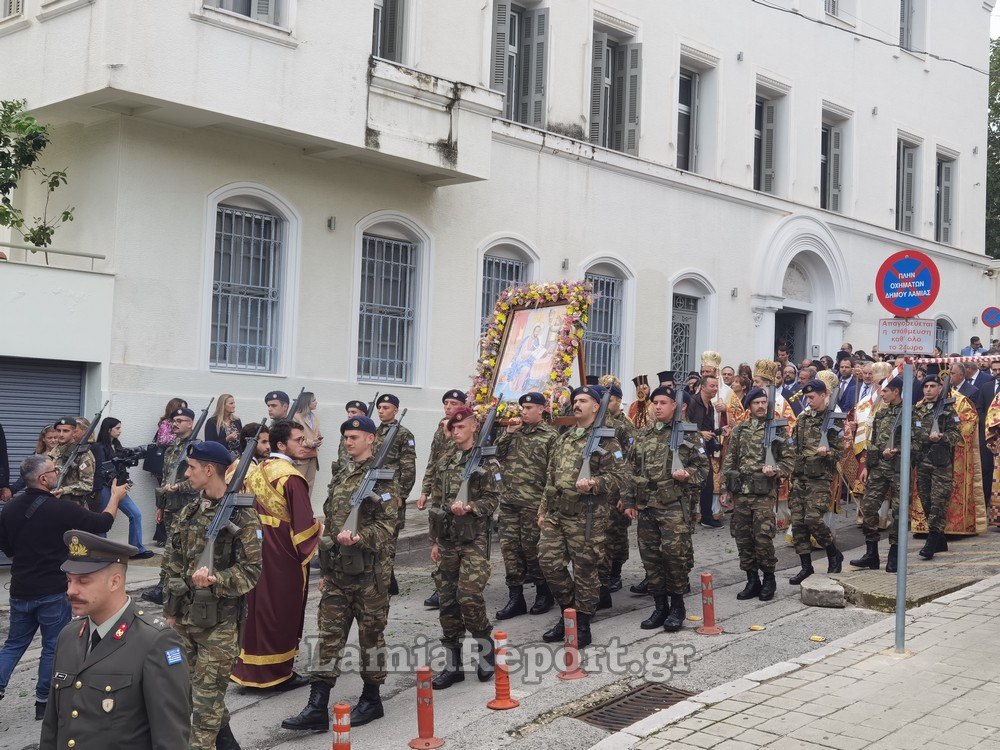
(577, 295)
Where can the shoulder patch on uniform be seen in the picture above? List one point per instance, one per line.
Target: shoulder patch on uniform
(618, 456)
(173, 656)
(410, 442)
(497, 476)
(260, 533)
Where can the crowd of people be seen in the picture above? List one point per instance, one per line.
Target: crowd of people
(773, 446)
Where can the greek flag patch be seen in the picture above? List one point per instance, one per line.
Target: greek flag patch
(917, 423)
(957, 419)
(496, 477)
(618, 455)
(386, 497)
(410, 442)
(260, 533)
(173, 656)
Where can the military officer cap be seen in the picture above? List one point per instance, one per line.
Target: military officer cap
(615, 391)
(753, 394)
(455, 395)
(277, 396)
(388, 398)
(359, 405)
(896, 383)
(933, 369)
(358, 423)
(667, 376)
(814, 386)
(533, 397)
(593, 380)
(67, 421)
(461, 414)
(211, 452)
(664, 390)
(595, 392)
(640, 380)
(89, 553)
(183, 412)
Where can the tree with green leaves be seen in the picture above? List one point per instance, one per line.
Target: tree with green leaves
(22, 140)
(993, 156)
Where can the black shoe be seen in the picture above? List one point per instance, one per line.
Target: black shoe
(604, 599)
(144, 555)
(583, 636)
(930, 546)
(39, 711)
(486, 663)
(655, 620)
(807, 570)
(834, 559)
(676, 615)
(154, 595)
(556, 633)
(315, 717)
(752, 589)
(452, 671)
(711, 523)
(891, 559)
(942, 545)
(369, 706)
(515, 605)
(768, 587)
(641, 588)
(433, 601)
(687, 587)
(870, 558)
(224, 740)
(616, 576)
(314, 563)
(393, 585)
(543, 600)
(292, 683)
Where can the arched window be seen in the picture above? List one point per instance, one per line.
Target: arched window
(944, 335)
(506, 263)
(603, 340)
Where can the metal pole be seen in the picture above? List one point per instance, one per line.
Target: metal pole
(904, 506)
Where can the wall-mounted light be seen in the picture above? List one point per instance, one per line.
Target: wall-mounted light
(739, 56)
(875, 111)
(331, 223)
(735, 292)
(975, 149)
(565, 263)
(871, 297)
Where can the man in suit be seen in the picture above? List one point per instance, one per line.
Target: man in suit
(849, 386)
(964, 386)
(788, 380)
(804, 376)
(974, 349)
(115, 666)
(979, 376)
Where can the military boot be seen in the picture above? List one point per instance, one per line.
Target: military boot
(556, 633)
(656, 619)
(369, 706)
(433, 601)
(452, 671)
(515, 605)
(583, 637)
(604, 598)
(486, 664)
(676, 615)
(942, 545)
(768, 587)
(641, 588)
(891, 559)
(616, 576)
(834, 559)
(807, 570)
(869, 559)
(393, 584)
(543, 600)
(315, 717)
(154, 595)
(930, 546)
(752, 589)
(225, 740)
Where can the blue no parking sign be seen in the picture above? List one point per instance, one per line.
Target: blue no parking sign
(907, 283)
(991, 317)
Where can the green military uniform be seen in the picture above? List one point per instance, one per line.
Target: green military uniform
(343, 458)
(883, 475)
(441, 445)
(812, 481)
(171, 502)
(209, 627)
(78, 483)
(935, 462)
(403, 459)
(616, 539)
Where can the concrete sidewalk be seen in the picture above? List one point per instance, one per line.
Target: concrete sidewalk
(856, 692)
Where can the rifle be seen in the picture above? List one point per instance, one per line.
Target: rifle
(942, 402)
(371, 405)
(78, 448)
(678, 430)
(771, 427)
(173, 478)
(482, 449)
(593, 447)
(296, 405)
(895, 426)
(830, 416)
(375, 472)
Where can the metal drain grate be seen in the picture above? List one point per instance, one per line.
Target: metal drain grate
(643, 701)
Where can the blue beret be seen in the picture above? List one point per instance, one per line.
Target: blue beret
(210, 451)
(183, 413)
(930, 379)
(595, 392)
(358, 423)
(455, 395)
(388, 398)
(615, 391)
(896, 383)
(814, 386)
(66, 421)
(359, 405)
(664, 390)
(533, 397)
(753, 394)
(277, 396)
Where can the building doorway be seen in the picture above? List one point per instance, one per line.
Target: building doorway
(790, 327)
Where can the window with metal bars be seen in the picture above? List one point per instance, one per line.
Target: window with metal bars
(498, 274)
(266, 11)
(942, 335)
(388, 309)
(602, 343)
(246, 290)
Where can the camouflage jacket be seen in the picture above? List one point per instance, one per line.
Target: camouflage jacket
(609, 471)
(79, 479)
(441, 446)
(881, 433)
(376, 520)
(743, 463)
(652, 458)
(402, 457)
(172, 456)
(484, 488)
(524, 456)
(805, 443)
(951, 433)
(237, 559)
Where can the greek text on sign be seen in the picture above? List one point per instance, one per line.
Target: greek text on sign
(907, 283)
(906, 335)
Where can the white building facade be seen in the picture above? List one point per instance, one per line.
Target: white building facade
(286, 193)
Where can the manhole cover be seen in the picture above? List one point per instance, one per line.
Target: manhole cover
(637, 704)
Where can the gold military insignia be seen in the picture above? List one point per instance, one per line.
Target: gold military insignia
(108, 705)
(75, 548)
(355, 423)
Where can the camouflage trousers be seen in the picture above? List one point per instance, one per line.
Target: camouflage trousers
(693, 498)
(461, 577)
(211, 654)
(615, 541)
(808, 500)
(934, 486)
(400, 524)
(519, 535)
(346, 599)
(563, 543)
(753, 526)
(882, 484)
(168, 527)
(665, 548)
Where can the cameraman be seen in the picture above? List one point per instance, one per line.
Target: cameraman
(105, 449)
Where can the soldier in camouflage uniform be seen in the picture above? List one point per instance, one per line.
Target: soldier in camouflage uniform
(459, 534)
(78, 483)
(523, 450)
(355, 582)
(933, 446)
(353, 409)
(616, 542)
(205, 608)
(172, 497)
(403, 460)
(812, 478)
(664, 526)
(441, 446)
(754, 487)
(880, 476)
(574, 514)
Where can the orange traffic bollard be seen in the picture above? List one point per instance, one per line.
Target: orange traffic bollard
(572, 651)
(341, 727)
(425, 713)
(708, 607)
(499, 639)
(501, 680)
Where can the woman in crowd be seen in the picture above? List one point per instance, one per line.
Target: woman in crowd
(105, 448)
(307, 417)
(163, 437)
(47, 440)
(224, 428)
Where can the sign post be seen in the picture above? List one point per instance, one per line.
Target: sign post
(903, 532)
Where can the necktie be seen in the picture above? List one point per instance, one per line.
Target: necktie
(94, 640)
(864, 392)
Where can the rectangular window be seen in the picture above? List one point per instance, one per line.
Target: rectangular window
(602, 342)
(764, 123)
(10, 8)
(387, 29)
(906, 24)
(616, 89)
(906, 157)
(831, 6)
(498, 274)
(246, 293)
(259, 10)
(388, 309)
(944, 200)
(518, 65)
(830, 167)
(687, 120)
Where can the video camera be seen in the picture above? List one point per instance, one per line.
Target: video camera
(117, 467)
